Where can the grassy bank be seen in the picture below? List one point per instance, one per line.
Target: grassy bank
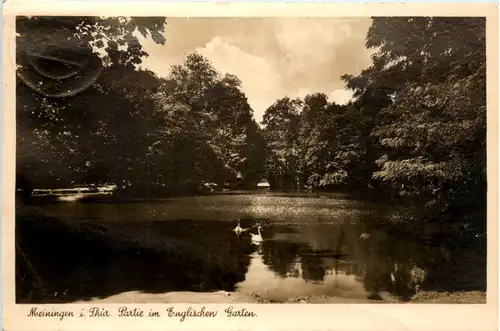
(474, 297)
(466, 297)
(447, 297)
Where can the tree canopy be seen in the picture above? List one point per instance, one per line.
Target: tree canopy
(433, 133)
(81, 123)
(416, 126)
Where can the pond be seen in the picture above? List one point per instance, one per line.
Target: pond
(313, 245)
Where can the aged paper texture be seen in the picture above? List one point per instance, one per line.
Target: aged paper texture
(249, 166)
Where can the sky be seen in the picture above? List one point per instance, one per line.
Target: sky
(273, 57)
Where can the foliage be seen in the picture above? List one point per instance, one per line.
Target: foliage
(221, 120)
(111, 37)
(93, 139)
(416, 128)
(67, 105)
(142, 133)
(318, 144)
(281, 124)
(434, 132)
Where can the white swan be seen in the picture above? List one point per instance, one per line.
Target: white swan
(257, 238)
(238, 229)
(364, 235)
(71, 198)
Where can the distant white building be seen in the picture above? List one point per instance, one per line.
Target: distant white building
(263, 184)
(211, 186)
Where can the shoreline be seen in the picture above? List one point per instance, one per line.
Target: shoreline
(221, 297)
(119, 197)
(132, 249)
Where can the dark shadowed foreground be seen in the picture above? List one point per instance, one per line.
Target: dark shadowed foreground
(315, 249)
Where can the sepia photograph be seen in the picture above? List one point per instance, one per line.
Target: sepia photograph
(259, 160)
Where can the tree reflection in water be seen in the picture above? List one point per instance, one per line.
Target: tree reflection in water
(83, 260)
(383, 262)
(280, 256)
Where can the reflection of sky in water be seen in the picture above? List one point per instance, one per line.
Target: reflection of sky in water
(265, 283)
(221, 207)
(301, 237)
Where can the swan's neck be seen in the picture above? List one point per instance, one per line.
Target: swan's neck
(258, 230)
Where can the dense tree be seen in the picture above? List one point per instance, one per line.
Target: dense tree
(60, 68)
(95, 138)
(416, 127)
(330, 147)
(61, 56)
(81, 123)
(433, 133)
(319, 144)
(313, 152)
(221, 111)
(143, 134)
(281, 124)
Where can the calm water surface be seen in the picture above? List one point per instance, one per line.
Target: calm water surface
(312, 245)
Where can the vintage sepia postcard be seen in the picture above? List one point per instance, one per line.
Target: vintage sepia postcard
(249, 166)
